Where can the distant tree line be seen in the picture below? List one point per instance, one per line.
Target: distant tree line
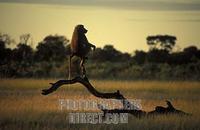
(50, 59)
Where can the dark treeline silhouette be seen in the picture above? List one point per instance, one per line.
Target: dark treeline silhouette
(51, 55)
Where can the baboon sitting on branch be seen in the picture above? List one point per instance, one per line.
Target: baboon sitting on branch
(80, 47)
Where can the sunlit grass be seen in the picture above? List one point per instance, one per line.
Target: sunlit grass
(23, 107)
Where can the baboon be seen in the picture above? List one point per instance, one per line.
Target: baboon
(80, 47)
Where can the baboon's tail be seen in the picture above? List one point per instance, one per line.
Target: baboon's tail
(69, 76)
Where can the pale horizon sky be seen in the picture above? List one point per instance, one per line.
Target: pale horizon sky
(125, 26)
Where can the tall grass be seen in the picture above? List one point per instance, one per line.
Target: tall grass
(23, 107)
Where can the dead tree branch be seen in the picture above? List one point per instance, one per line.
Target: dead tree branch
(170, 109)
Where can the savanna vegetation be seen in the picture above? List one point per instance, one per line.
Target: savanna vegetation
(50, 59)
(23, 107)
(25, 71)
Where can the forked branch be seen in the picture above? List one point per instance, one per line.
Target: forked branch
(85, 82)
(170, 109)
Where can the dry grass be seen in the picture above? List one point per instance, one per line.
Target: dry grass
(23, 107)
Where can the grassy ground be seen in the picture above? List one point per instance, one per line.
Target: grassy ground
(23, 107)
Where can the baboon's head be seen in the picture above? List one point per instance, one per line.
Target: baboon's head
(80, 29)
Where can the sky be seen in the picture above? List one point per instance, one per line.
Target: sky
(122, 23)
